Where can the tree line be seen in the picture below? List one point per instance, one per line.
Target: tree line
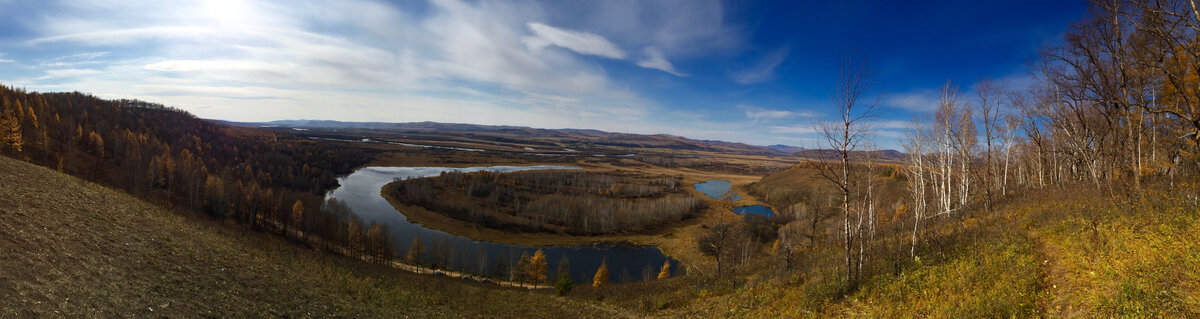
(580, 203)
(1116, 107)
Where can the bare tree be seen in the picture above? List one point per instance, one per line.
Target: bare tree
(915, 147)
(989, 107)
(1007, 139)
(944, 155)
(844, 138)
(717, 243)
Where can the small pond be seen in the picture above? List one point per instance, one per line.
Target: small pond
(361, 192)
(716, 188)
(755, 210)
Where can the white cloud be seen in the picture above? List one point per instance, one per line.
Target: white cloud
(580, 42)
(208, 65)
(680, 28)
(74, 60)
(796, 129)
(69, 73)
(757, 114)
(366, 60)
(889, 124)
(917, 101)
(654, 60)
(764, 69)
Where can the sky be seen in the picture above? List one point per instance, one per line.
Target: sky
(757, 72)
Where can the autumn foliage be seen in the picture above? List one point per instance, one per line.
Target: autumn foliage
(258, 179)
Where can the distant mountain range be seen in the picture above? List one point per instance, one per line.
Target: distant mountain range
(786, 149)
(513, 134)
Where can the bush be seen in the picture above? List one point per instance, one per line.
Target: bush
(564, 284)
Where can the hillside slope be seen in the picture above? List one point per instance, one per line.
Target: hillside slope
(1073, 252)
(76, 249)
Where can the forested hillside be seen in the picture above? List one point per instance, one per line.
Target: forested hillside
(250, 177)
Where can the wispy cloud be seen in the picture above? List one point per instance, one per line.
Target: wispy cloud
(888, 125)
(654, 59)
(764, 69)
(758, 114)
(887, 128)
(916, 101)
(580, 42)
(74, 60)
(68, 73)
(796, 129)
(514, 63)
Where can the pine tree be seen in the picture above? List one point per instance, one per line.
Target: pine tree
(520, 272)
(564, 283)
(298, 219)
(601, 277)
(666, 270)
(10, 131)
(415, 250)
(538, 267)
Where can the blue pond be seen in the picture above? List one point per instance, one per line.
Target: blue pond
(755, 210)
(716, 188)
(360, 191)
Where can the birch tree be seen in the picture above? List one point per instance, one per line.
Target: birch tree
(845, 137)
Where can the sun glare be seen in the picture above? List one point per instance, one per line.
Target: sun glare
(227, 13)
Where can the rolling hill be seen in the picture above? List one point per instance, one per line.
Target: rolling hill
(553, 139)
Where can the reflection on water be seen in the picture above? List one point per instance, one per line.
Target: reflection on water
(361, 192)
(716, 188)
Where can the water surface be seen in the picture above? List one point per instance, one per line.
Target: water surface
(716, 188)
(755, 210)
(361, 190)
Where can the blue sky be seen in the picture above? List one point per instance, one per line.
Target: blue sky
(756, 72)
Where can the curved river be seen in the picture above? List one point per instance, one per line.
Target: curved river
(361, 191)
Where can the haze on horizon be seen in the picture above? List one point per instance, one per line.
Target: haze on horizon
(756, 73)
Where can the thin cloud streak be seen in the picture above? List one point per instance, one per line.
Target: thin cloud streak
(580, 42)
(655, 60)
(764, 69)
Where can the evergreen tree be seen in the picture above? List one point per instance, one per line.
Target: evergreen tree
(665, 272)
(538, 267)
(415, 250)
(601, 277)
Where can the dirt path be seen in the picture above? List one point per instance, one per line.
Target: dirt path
(1058, 296)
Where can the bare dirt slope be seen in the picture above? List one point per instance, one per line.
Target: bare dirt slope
(69, 248)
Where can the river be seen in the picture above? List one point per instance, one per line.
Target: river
(361, 192)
